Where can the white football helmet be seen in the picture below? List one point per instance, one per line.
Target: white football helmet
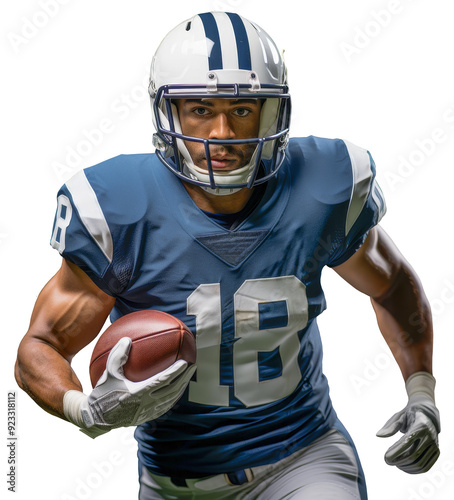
(220, 55)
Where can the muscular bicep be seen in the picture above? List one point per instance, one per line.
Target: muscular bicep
(69, 312)
(373, 267)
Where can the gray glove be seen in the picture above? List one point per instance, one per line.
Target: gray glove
(119, 402)
(417, 450)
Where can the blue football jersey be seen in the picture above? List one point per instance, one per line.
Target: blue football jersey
(250, 295)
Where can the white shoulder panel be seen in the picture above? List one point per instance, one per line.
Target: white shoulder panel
(362, 173)
(90, 212)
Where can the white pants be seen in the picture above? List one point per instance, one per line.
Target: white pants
(328, 469)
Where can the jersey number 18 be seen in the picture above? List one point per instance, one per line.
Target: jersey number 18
(250, 339)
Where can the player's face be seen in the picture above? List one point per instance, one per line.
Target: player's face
(220, 119)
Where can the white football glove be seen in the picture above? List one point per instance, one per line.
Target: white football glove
(117, 402)
(417, 450)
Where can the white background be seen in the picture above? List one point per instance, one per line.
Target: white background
(376, 73)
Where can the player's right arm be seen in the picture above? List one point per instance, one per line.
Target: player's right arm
(69, 313)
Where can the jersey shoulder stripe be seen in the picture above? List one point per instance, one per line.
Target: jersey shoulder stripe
(338, 177)
(90, 212)
(362, 182)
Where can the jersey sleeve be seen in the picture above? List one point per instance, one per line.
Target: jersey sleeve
(366, 205)
(81, 233)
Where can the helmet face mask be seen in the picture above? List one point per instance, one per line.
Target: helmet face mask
(220, 56)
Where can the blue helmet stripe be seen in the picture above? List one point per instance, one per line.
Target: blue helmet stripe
(242, 42)
(212, 33)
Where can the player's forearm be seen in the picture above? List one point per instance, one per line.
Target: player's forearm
(405, 320)
(45, 375)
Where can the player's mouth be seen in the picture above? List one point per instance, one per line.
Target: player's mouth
(223, 162)
(225, 158)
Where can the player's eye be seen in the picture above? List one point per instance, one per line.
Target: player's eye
(200, 111)
(242, 112)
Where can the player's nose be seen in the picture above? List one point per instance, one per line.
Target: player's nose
(221, 128)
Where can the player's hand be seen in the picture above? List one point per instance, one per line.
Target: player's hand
(119, 402)
(417, 450)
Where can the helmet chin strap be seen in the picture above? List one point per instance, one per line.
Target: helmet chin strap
(198, 174)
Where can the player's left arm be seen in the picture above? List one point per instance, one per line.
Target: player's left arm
(379, 270)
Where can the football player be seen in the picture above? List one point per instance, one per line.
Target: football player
(228, 227)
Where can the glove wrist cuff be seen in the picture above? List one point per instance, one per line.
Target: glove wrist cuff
(72, 402)
(420, 384)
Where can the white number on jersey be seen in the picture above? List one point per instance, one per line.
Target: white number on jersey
(61, 223)
(250, 339)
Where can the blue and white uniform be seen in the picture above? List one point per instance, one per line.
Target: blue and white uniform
(250, 295)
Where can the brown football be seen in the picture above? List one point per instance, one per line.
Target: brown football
(158, 340)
